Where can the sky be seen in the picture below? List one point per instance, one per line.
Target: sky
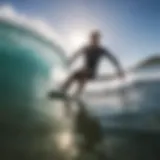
(130, 28)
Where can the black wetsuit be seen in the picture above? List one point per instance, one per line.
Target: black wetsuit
(92, 56)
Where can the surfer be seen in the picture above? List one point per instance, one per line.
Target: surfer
(92, 53)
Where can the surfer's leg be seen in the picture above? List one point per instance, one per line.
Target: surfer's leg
(82, 81)
(75, 76)
(68, 83)
(81, 85)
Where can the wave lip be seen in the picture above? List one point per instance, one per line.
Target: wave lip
(35, 26)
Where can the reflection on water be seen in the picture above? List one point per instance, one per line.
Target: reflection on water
(133, 132)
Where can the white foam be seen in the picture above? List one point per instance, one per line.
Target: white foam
(39, 26)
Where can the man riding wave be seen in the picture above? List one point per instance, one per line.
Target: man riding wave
(93, 52)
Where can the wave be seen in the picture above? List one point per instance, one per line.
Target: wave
(29, 54)
(33, 27)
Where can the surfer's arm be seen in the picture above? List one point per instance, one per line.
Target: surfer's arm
(115, 62)
(75, 56)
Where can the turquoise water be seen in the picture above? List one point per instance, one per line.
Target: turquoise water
(32, 126)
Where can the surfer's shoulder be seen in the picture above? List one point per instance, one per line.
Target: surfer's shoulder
(102, 49)
(84, 48)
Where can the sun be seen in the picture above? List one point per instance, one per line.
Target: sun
(77, 39)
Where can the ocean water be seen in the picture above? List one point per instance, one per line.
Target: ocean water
(125, 126)
(32, 125)
(130, 119)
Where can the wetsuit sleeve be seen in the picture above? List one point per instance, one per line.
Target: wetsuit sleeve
(113, 59)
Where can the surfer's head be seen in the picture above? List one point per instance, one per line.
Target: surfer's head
(95, 37)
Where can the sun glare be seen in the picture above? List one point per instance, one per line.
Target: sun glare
(77, 39)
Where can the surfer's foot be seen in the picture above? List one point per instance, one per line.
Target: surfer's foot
(57, 93)
(52, 94)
